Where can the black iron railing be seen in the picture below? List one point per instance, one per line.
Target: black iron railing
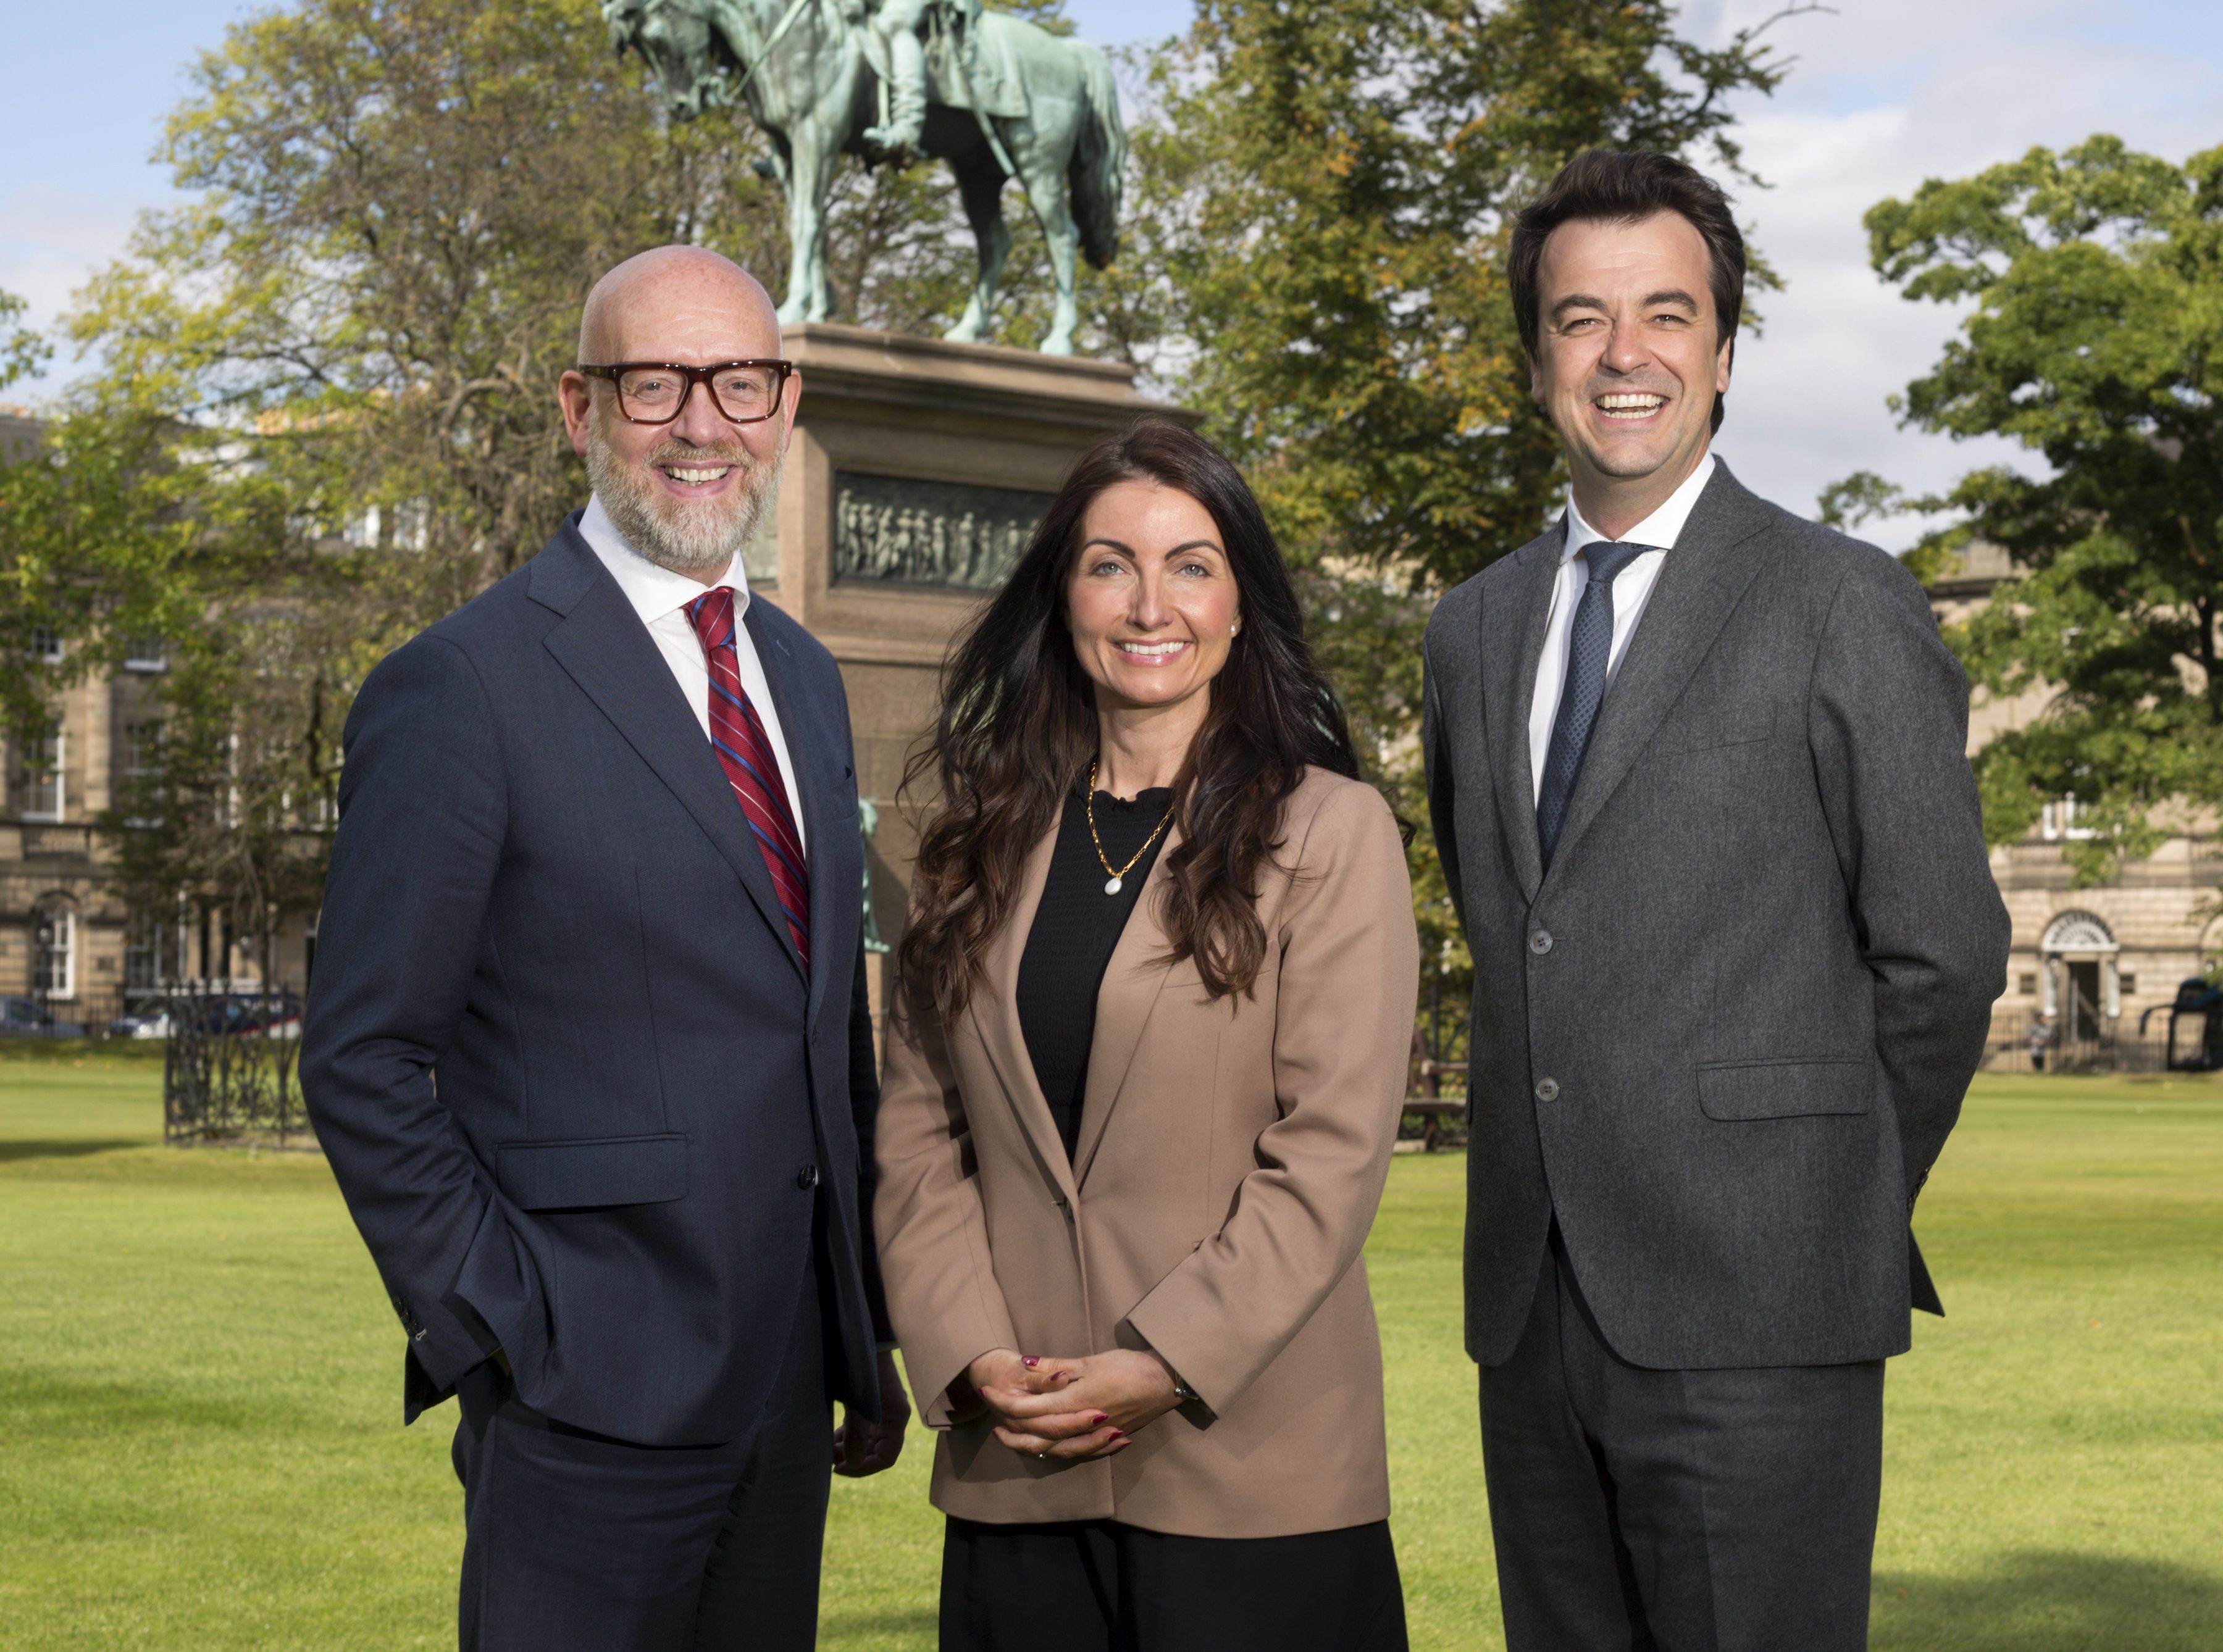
(228, 1074)
(1435, 1088)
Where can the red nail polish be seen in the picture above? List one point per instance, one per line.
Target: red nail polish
(1028, 1361)
(1098, 1421)
(1118, 1439)
(1061, 1376)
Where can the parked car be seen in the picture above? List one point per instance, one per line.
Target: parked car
(27, 1018)
(278, 1016)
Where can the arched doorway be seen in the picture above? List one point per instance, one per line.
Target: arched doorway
(2079, 986)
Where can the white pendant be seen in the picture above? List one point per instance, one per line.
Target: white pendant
(1112, 887)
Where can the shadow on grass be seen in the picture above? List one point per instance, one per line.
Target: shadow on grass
(840, 1629)
(11, 1151)
(56, 1406)
(2051, 1601)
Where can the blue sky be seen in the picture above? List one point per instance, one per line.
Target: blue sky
(1886, 92)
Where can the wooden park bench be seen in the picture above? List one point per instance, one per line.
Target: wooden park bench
(1426, 1098)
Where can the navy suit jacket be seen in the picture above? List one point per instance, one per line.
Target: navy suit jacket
(570, 1074)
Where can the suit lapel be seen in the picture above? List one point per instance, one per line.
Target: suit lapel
(995, 1013)
(606, 649)
(1513, 628)
(808, 739)
(1701, 582)
(1132, 982)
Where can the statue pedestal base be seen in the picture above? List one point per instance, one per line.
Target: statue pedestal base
(917, 472)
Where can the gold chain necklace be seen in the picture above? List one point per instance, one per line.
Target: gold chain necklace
(1117, 880)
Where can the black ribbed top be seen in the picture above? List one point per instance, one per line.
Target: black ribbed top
(1076, 929)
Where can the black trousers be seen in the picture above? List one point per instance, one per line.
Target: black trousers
(1680, 1510)
(575, 1542)
(1097, 1585)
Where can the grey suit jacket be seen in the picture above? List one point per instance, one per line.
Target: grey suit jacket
(1724, 1037)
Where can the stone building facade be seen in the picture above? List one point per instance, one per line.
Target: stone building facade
(67, 939)
(915, 468)
(2094, 961)
(65, 936)
(917, 472)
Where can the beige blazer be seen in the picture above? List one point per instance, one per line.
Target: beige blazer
(1230, 1158)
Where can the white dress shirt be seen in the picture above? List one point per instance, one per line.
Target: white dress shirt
(660, 598)
(1632, 589)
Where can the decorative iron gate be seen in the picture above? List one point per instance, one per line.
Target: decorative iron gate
(228, 1073)
(1436, 1084)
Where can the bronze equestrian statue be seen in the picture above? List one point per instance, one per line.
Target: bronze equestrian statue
(993, 96)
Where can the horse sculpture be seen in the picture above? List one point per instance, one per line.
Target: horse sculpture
(1000, 88)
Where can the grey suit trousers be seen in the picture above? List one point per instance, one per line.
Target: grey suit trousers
(1708, 1510)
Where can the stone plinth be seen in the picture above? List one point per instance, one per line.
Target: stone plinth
(916, 471)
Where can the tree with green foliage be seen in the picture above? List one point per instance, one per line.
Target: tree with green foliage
(1325, 191)
(2095, 342)
(116, 546)
(399, 209)
(22, 351)
(92, 553)
(89, 542)
(232, 808)
(322, 411)
(1353, 169)
(353, 333)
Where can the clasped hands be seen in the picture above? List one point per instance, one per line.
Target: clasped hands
(1071, 1409)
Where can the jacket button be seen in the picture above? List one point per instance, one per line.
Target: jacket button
(1548, 1090)
(1540, 941)
(806, 1178)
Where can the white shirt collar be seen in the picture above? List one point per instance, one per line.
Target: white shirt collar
(653, 591)
(1662, 528)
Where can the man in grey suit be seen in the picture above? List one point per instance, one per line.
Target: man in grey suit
(1696, 768)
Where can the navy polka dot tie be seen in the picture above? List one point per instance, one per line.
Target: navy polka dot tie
(1589, 649)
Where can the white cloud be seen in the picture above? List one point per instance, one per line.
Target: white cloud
(1887, 95)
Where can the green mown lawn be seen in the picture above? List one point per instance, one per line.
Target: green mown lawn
(200, 1396)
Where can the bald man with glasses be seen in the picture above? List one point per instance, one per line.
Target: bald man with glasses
(587, 1046)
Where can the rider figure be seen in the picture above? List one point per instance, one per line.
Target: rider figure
(900, 25)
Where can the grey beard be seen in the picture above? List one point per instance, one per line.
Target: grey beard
(686, 537)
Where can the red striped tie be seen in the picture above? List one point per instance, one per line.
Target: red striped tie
(738, 736)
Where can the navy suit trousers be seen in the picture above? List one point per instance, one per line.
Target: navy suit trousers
(577, 1542)
(1647, 1510)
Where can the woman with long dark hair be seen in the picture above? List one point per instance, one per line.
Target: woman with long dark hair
(1155, 1003)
